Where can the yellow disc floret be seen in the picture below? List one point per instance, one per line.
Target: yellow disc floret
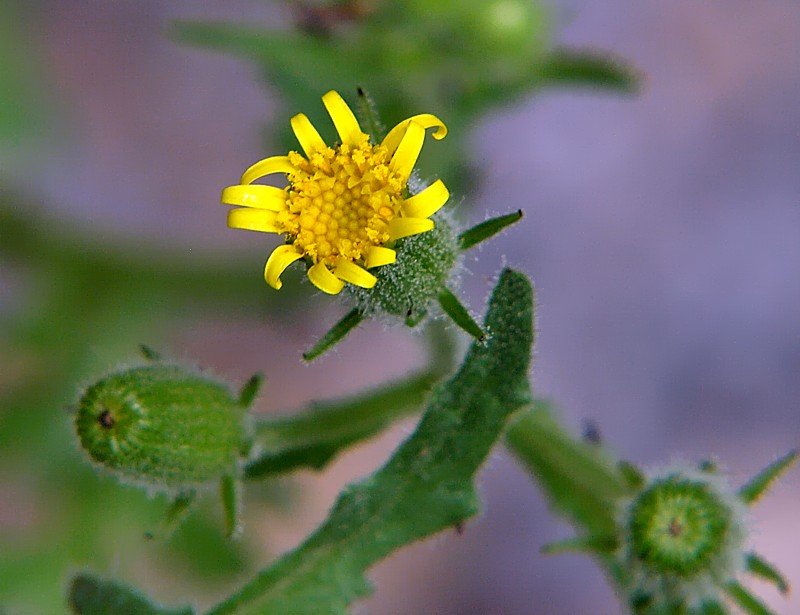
(344, 206)
(341, 202)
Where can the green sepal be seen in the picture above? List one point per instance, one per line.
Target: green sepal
(460, 315)
(590, 69)
(746, 601)
(580, 479)
(427, 485)
(762, 569)
(487, 229)
(177, 512)
(250, 390)
(592, 545)
(757, 486)
(230, 490)
(415, 317)
(712, 608)
(149, 353)
(335, 335)
(633, 476)
(89, 595)
(367, 113)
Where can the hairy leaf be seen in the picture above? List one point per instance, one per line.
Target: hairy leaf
(425, 487)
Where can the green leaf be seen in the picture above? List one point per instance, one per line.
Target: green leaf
(92, 596)
(425, 487)
(579, 478)
(590, 69)
(313, 437)
(486, 229)
(758, 485)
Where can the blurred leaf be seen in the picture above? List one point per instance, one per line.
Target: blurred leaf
(569, 67)
(22, 111)
(92, 596)
(580, 479)
(313, 437)
(425, 487)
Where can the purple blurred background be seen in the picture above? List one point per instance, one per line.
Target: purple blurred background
(662, 232)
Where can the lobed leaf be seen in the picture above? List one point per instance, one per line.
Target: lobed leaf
(425, 487)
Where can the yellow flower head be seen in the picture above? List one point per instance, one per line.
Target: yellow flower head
(345, 205)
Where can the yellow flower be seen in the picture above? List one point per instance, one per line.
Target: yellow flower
(345, 206)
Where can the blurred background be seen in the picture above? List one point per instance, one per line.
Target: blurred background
(662, 231)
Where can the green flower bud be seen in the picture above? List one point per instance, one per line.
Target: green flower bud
(162, 426)
(684, 536)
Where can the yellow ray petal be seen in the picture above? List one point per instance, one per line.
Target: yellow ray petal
(378, 256)
(307, 135)
(427, 202)
(273, 164)
(254, 220)
(350, 272)
(278, 261)
(406, 154)
(426, 120)
(258, 196)
(403, 227)
(322, 278)
(344, 120)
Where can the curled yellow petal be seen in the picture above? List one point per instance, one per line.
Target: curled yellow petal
(268, 166)
(377, 256)
(278, 261)
(261, 220)
(322, 278)
(427, 202)
(350, 272)
(306, 134)
(343, 118)
(426, 120)
(407, 152)
(255, 195)
(403, 227)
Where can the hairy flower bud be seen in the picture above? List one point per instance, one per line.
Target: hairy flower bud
(420, 273)
(684, 537)
(162, 426)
